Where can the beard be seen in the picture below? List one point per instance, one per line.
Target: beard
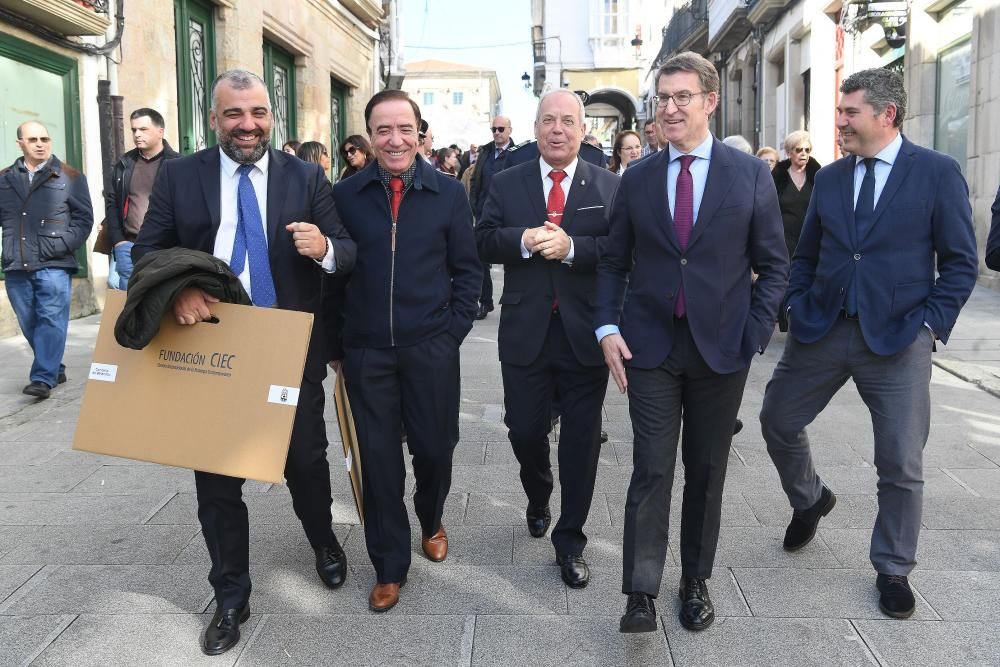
(230, 148)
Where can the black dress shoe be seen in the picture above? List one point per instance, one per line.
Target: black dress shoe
(37, 389)
(538, 519)
(331, 565)
(61, 379)
(484, 310)
(738, 427)
(896, 597)
(604, 437)
(802, 527)
(640, 614)
(223, 632)
(697, 612)
(574, 571)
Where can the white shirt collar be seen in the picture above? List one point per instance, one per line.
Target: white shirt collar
(702, 150)
(230, 166)
(570, 169)
(887, 154)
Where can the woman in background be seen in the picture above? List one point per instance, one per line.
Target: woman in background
(628, 147)
(315, 152)
(356, 153)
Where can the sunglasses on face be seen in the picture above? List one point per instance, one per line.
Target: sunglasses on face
(802, 149)
(37, 140)
(498, 130)
(350, 151)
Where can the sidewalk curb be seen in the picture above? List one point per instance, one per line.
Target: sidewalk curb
(971, 373)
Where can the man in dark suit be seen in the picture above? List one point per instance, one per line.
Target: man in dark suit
(688, 225)
(993, 242)
(546, 340)
(408, 306)
(272, 217)
(863, 303)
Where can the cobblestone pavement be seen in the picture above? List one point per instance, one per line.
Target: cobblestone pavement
(102, 562)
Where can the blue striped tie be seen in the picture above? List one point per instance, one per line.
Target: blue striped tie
(250, 243)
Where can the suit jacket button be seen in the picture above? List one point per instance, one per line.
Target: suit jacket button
(684, 261)
(857, 256)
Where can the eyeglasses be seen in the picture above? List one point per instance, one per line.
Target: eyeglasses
(350, 151)
(498, 130)
(36, 140)
(681, 99)
(802, 149)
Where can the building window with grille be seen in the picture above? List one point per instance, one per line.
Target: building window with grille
(954, 73)
(279, 74)
(611, 18)
(428, 99)
(457, 98)
(195, 43)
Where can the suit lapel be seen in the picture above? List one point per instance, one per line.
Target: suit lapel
(536, 195)
(656, 188)
(717, 186)
(277, 188)
(209, 179)
(900, 168)
(847, 197)
(577, 192)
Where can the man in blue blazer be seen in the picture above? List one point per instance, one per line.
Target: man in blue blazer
(546, 221)
(864, 304)
(688, 226)
(272, 218)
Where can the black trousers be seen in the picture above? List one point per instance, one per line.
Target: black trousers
(528, 397)
(418, 386)
(486, 292)
(683, 387)
(223, 514)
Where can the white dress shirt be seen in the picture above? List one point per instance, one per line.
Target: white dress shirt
(547, 184)
(884, 160)
(229, 182)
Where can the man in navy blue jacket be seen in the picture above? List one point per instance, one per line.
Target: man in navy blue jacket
(409, 304)
(864, 303)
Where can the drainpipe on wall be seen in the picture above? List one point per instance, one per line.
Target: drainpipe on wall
(758, 93)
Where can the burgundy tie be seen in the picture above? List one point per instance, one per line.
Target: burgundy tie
(396, 185)
(683, 220)
(557, 198)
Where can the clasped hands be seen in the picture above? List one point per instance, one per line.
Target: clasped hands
(549, 240)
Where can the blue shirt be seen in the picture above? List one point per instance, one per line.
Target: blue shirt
(699, 176)
(884, 160)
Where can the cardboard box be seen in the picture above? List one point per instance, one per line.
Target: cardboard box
(349, 438)
(218, 398)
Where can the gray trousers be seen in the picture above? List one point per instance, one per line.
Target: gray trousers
(896, 390)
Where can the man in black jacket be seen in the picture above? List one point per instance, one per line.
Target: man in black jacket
(46, 215)
(492, 159)
(131, 185)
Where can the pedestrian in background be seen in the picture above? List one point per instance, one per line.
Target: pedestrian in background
(131, 185)
(688, 226)
(316, 153)
(768, 155)
(221, 200)
(46, 215)
(652, 140)
(447, 160)
(739, 143)
(356, 152)
(291, 146)
(885, 262)
(408, 306)
(546, 340)
(627, 147)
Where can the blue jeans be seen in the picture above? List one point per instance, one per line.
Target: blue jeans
(41, 302)
(123, 263)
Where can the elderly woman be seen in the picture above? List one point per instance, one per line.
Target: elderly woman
(628, 147)
(768, 155)
(793, 179)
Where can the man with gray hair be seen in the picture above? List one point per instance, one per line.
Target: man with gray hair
(547, 347)
(271, 217)
(884, 264)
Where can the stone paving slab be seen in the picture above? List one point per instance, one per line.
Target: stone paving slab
(560, 640)
(27, 509)
(42, 478)
(395, 639)
(13, 577)
(22, 638)
(930, 643)
(99, 545)
(507, 509)
(957, 550)
(960, 596)
(785, 642)
(19, 453)
(99, 640)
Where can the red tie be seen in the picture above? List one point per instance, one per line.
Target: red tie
(396, 185)
(683, 220)
(557, 198)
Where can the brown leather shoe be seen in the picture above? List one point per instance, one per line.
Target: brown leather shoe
(384, 596)
(436, 546)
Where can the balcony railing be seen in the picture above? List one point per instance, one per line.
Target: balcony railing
(687, 26)
(99, 6)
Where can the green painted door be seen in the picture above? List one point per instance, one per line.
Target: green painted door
(195, 35)
(279, 73)
(36, 84)
(338, 95)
